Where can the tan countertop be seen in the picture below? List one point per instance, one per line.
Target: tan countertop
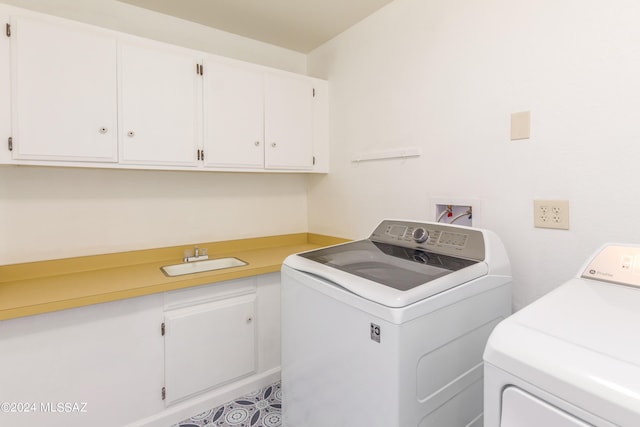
(45, 286)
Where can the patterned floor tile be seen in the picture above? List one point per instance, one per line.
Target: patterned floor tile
(261, 408)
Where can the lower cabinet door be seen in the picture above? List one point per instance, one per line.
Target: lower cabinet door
(208, 345)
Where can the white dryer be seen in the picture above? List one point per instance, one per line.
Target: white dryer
(389, 331)
(571, 358)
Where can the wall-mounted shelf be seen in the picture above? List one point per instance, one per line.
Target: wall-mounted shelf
(396, 153)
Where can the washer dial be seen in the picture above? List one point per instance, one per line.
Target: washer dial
(420, 235)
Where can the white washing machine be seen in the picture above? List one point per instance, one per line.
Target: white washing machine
(571, 358)
(389, 331)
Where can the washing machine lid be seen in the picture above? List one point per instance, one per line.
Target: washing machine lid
(390, 265)
(579, 343)
(393, 269)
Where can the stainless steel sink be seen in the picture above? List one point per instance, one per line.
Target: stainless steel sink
(201, 266)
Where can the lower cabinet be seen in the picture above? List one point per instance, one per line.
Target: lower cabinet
(209, 344)
(110, 364)
(99, 365)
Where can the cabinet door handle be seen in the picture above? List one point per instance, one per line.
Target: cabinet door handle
(104, 130)
(249, 319)
(273, 144)
(257, 143)
(131, 134)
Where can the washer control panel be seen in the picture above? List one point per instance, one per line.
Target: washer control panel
(437, 237)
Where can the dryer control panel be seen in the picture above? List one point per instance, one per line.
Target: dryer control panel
(615, 263)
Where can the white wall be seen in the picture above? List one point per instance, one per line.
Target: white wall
(445, 76)
(49, 213)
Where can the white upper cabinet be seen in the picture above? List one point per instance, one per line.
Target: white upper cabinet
(288, 122)
(234, 116)
(86, 96)
(63, 92)
(257, 119)
(159, 105)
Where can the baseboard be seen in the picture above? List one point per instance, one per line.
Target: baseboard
(209, 400)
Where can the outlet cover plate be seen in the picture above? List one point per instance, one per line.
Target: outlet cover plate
(551, 214)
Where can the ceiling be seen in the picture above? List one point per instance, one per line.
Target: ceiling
(299, 25)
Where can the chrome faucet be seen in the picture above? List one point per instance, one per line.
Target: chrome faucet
(198, 255)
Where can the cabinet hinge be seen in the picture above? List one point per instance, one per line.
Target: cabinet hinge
(10, 144)
(162, 329)
(164, 393)
(8, 30)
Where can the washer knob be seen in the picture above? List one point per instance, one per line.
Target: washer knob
(420, 235)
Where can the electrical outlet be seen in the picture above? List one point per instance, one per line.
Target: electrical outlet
(551, 214)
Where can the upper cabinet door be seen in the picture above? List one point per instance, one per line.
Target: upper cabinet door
(234, 116)
(160, 105)
(5, 101)
(288, 122)
(63, 92)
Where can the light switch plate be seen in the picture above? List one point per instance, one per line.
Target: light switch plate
(520, 125)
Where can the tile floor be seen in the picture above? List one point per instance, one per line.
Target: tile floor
(261, 408)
